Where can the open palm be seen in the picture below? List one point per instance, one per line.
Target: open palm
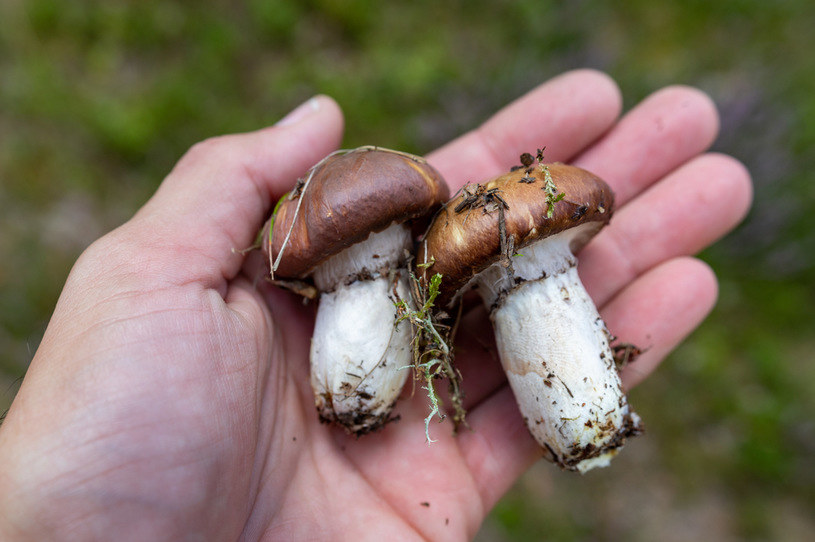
(169, 399)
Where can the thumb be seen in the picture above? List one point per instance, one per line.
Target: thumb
(216, 198)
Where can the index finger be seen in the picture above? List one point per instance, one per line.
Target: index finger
(565, 115)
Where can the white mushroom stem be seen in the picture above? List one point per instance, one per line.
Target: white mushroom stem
(555, 350)
(358, 351)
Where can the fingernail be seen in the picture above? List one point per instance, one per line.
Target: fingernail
(300, 112)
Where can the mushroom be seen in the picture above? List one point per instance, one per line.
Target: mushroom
(553, 344)
(347, 227)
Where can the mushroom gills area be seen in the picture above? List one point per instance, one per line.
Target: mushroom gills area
(554, 347)
(380, 252)
(359, 353)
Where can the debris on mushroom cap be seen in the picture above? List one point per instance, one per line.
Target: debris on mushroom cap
(586, 199)
(347, 196)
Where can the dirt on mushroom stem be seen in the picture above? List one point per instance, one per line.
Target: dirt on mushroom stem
(555, 350)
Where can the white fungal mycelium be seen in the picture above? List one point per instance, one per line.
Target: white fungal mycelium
(555, 350)
(359, 352)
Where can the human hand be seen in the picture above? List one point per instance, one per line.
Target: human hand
(170, 396)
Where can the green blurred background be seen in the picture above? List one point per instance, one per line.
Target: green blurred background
(99, 99)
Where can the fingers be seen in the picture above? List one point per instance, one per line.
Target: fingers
(666, 129)
(221, 191)
(498, 448)
(648, 301)
(656, 312)
(564, 114)
(680, 215)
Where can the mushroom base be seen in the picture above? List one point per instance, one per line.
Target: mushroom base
(359, 353)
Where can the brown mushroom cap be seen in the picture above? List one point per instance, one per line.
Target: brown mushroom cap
(460, 244)
(348, 197)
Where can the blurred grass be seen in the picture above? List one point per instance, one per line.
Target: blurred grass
(99, 99)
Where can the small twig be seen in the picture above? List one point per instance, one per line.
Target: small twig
(304, 186)
(454, 327)
(432, 355)
(625, 353)
(507, 246)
